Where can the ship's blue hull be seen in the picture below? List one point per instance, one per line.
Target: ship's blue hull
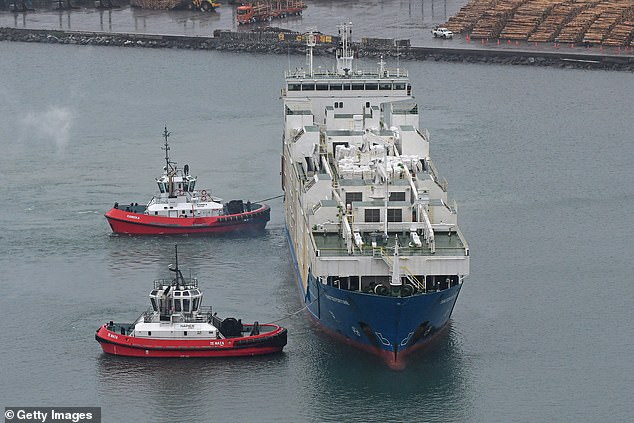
(390, 326)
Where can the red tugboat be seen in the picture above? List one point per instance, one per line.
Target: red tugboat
(177, 325)
(179, 208)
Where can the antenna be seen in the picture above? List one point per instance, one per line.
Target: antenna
(310, 43)
(344, 52)
(175, 269)
(166, 135)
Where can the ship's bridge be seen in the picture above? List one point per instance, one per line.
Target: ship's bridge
(178, 182)
(169, 298)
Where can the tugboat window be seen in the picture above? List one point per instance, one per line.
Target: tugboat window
(154, 307)
(177, 305)
(195, 306)
(186, 308)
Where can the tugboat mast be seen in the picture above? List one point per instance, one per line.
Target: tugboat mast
(168, 163)
(175, 269)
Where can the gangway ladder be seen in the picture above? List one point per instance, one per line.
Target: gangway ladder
(408, 274)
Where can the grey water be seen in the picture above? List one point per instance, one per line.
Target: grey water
(539, 161)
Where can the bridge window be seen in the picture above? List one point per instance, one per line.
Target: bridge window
(294, 87)
(335, 87)
(357, 87)
(308, 87)
(385, 86)
(372, 86)
(353, 196)
(394, 215)
(372, 215)
(322, 87)
(397, 196)
(399, 86)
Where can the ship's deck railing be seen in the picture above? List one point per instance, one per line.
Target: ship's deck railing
(389, 73)
(204, 315)
(403, 251)
(158, 283)
(442, 182)
(331, 244)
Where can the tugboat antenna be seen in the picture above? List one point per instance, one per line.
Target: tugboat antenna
(168, 164)
(176, 269)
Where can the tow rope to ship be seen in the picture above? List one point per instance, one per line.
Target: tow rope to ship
(293, 313)
(272, 198)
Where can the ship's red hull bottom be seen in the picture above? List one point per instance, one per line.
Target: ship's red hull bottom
(266, 343)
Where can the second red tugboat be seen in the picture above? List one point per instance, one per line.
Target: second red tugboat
(179, 208)
(177, 325)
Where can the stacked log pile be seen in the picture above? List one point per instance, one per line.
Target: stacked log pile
(492, 22)
(156, 4)
(575, 29)
(468, 16)
(565, 21)
(527, 18)
(621, 35)
(612, 16)
(559, 16)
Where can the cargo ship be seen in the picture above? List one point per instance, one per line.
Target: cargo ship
(379, 257)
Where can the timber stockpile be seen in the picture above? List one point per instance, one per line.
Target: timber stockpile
(203, 5)
(591, 22)
(156, 4)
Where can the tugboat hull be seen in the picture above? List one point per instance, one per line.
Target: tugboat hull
(129, 222)
(271, 341)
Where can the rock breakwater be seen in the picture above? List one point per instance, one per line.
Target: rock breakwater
(278, 41)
